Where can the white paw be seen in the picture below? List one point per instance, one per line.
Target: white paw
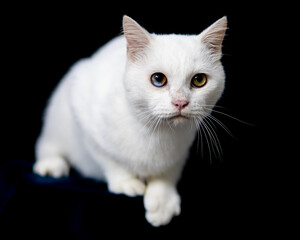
(55, 167)
(131, 187)
(161, 206)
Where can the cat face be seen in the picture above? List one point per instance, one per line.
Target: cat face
(174, 78)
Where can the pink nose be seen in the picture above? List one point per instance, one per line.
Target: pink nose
(180, 104)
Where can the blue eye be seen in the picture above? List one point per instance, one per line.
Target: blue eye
(158, 79)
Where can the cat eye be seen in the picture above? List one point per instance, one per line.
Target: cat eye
(158, 79)
(199, 80)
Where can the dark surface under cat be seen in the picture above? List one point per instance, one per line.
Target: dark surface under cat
(80, 208)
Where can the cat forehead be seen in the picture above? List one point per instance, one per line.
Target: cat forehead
(174, 44)
(178, 53)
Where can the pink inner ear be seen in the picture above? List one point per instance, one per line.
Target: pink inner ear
(213, 36)
(137, 38)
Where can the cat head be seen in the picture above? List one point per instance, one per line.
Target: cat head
(174, 78)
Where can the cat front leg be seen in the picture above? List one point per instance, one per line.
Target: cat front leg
(54, 166)
(162, 201)
(121, 181)
(50, 160)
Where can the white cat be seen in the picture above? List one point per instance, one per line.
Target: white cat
(130, 117)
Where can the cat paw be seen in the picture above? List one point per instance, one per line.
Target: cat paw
(161, 207)
(131, 187)
(55, 167)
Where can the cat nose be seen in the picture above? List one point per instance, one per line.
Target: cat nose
(180, 104)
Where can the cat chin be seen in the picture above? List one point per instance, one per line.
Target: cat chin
(178, 120)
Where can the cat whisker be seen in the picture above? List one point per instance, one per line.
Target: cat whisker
(222, 125)
(214, 137)
(201, 118)
(199, 134)
(150, 126)
(226, 115)
(206, 123)
(203, 127)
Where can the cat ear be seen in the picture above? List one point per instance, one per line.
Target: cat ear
(213, 36)
(138, 39)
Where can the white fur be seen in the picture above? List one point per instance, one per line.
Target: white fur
(109, 122)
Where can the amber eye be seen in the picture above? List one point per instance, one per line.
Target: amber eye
(199, 80)
(158, 79)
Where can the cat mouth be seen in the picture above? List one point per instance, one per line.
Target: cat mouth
(178, 116)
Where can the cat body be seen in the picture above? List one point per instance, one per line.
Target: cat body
(128, 115)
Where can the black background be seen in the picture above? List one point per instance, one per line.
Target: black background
(235, 196)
